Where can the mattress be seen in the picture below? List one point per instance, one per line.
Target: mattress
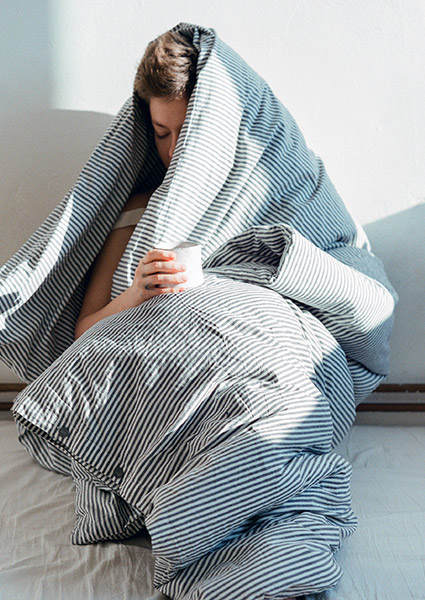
(383, 560)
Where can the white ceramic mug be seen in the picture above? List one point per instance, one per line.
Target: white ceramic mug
(189, 254)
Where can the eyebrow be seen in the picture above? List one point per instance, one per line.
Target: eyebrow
(159, 124)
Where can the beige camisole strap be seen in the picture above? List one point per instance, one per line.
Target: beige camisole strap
(129, 217)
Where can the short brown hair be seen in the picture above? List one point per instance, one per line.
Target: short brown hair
(168, 67)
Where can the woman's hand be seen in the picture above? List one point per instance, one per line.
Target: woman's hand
(157, 268)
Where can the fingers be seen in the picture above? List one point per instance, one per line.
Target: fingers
(159, 273)
(156, 254)
(159, 266)
(149, 293)
(149, 281)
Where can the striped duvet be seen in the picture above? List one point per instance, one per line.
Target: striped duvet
(208, 417)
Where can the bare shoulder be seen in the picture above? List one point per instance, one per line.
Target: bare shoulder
(138, 200)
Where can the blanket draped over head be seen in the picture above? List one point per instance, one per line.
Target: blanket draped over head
(209, 416)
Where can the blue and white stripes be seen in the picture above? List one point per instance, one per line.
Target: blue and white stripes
(207, 416)
(210, 417)
(216, 426)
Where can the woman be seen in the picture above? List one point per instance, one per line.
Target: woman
(211, 415)
(165, 79)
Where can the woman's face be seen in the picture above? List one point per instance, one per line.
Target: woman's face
(167, 119)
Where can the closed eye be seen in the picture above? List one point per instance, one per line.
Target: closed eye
(161, 137)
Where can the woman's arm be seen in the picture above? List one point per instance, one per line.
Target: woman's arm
(96, 304)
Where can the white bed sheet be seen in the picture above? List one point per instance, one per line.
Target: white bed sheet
(383, 560)
(37, 559)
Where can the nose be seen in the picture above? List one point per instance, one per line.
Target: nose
(173, 143)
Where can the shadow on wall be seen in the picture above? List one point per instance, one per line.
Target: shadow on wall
(46, 151)
(398, 241)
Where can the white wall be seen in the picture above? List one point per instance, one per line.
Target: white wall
(351, 73)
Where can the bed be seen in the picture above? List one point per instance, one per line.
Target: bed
(383, 560)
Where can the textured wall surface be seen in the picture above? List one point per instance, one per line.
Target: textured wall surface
(351, 73)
